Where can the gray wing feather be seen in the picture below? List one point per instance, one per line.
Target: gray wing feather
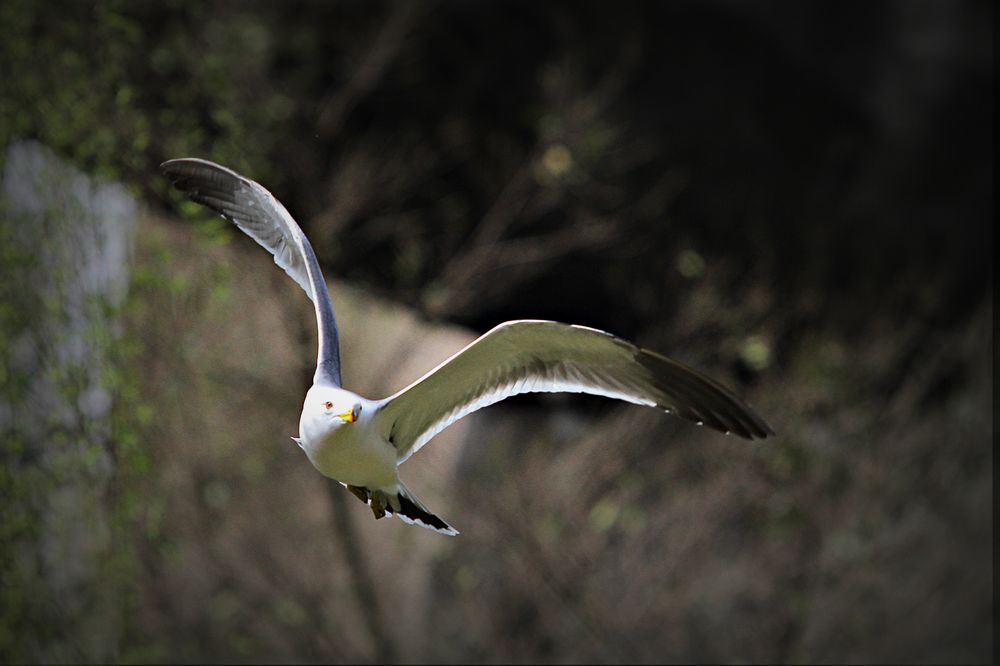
(260, 216)
(531, 356)
(247, 205)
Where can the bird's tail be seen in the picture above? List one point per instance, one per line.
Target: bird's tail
(411, 510)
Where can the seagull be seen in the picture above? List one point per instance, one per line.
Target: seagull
(361, 442)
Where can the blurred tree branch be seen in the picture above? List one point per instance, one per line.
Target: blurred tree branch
(338, 104)
(362, 583)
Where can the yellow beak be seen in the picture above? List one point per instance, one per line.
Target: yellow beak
(347, 416)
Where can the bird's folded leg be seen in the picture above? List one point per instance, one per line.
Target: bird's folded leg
(378, 505)
(360, 493)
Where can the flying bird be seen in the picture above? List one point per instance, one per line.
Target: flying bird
(361, 442)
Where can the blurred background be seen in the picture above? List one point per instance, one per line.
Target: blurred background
(792, 197)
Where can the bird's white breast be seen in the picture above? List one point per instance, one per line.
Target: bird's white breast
(353, 453)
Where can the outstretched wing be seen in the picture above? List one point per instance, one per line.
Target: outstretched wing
(543, 356)
(262, 217)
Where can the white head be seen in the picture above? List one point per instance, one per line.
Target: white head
(326, 409)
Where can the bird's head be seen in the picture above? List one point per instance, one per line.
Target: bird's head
(328, 408)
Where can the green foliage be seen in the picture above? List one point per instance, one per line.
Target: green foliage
(94, 82)
(72, 470)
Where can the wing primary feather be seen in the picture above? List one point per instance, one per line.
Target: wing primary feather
(259, 215)
(724, 409)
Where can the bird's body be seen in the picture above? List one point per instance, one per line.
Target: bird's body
(359, 455)
(361, 442)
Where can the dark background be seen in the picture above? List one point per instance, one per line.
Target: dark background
(794, 196)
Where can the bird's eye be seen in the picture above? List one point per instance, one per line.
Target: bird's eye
(356, 412)
(327, 405)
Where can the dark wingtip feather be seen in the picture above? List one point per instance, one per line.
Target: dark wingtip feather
(700, 399)
(204, 182)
